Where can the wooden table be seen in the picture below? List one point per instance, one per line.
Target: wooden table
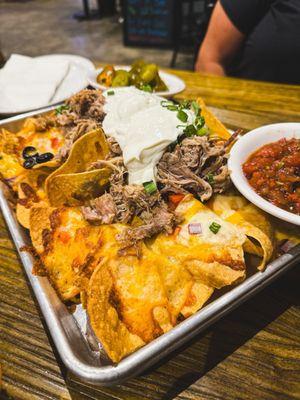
(253, 353)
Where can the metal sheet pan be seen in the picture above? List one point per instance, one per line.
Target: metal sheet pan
(70, 332)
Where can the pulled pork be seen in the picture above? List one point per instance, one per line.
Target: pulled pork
(73, 133)
(88, 104)
(123, 202)
(101, 210)
(160, 219)
(114, 147)
(84, 112)
(43, 123)
(197, 165)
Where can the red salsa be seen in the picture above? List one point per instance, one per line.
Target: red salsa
(274, 172)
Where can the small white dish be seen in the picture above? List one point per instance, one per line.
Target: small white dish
(75, 81)
(241, 151)
(175, 85)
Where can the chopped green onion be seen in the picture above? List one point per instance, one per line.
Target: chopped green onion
(147, 88)
(214, 227)
(61, 109)
(202, 131)
(190, 130)
(166, 103)
(196, 108)
(110, 92)
(150, 187)
(210, 178)
(185, 104)
(172, 108)
(182, 116)
(199, 122)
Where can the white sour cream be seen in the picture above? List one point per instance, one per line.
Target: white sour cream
(143, 129)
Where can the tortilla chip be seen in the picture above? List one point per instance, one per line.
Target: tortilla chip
(161, 315)
(214, 274)
(72, 184)
(177, 282)
(68, 246)
(215, 126)
(198, 296)
(31, 193)
(253, 222)
(39, 221)
(75, 189)
(108, 247)
(221, 203)
(215, 259)
(255, 225)
(137, 291)
(23, 213)
(9, 142)
(113, 334)
(185, 295)
(89, 148)
(11, 170)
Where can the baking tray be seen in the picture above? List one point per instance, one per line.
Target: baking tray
(70, 331)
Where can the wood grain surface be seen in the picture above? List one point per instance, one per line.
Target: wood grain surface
(253, 353)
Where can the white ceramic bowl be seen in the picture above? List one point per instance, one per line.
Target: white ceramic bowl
(241, 151)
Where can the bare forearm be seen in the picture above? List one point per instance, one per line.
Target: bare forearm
(220, 44)
(210, 67)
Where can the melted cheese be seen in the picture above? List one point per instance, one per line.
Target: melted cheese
(143, 129)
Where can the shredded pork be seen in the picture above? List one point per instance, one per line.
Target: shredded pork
(124, 202)
(82, 113)
(197, 165)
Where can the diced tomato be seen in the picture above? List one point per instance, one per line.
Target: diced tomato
(55, 143)
(176, 198)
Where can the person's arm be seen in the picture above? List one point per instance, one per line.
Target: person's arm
(220, 44)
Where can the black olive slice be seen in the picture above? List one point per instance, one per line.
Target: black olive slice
(29, 163)
(44, 157)
(29, 151)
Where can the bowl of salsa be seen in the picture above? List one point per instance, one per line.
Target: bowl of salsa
(265, 167)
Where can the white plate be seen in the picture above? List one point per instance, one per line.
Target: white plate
(174, 84)
(75, 80)
(244, 147)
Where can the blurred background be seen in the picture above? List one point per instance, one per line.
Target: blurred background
(250, 39)
(166, 32)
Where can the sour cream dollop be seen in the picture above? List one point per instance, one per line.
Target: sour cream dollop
(143, 128)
